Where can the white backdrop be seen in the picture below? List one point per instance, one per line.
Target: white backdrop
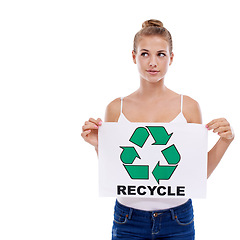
(63, 62)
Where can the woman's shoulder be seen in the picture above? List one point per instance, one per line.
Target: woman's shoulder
(191, 110)
(113, 110)
(190, 101)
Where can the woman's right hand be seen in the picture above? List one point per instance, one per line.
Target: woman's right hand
(90, 131)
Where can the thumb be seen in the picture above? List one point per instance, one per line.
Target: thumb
(99, 121)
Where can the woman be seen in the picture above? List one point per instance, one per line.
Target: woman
(143, 218)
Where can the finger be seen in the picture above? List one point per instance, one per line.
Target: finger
(99, 121)
(221, 129)
(212, 122)
(217, 124)
(85, 134)
(213, 125)
(227, 135)
(215, 121)
(92, 120)
(89, 126)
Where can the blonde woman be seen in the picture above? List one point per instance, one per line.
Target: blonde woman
(151, 218)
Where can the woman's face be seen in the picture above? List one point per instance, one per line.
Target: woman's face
(152, 58)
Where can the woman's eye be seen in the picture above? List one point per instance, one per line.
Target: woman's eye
(144, 54)
(161, 54)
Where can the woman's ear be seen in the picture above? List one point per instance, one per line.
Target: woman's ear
(171, 58)
(134, 56)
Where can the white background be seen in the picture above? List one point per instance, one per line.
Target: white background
(62, 62)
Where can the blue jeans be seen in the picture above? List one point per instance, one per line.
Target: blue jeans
(171, 224)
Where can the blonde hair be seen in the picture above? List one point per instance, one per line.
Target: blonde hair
(153, 27)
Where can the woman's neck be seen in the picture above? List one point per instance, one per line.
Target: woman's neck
(152, 90)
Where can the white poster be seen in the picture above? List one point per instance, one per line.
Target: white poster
(167, 160)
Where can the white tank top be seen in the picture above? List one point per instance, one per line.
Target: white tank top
(152, 204)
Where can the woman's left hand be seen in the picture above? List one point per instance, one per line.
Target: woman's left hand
(222, 127)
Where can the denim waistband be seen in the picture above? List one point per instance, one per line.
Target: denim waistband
(148, 214)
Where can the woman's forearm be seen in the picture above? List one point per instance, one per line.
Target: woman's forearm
(216, 153)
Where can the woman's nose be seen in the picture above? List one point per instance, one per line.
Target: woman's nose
(152, 62)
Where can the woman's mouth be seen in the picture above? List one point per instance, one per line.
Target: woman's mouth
(153, 72)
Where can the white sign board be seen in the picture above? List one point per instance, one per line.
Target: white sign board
(152, 160)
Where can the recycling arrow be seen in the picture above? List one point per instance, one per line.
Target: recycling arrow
(137, 171)
(159, 134)
(163, 172)
(139, 136)
(171, 154)
(128, 155)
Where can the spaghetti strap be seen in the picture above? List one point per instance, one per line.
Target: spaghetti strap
(121, 104)
(181, 102)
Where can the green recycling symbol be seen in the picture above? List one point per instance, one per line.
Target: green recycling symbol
(139, 137)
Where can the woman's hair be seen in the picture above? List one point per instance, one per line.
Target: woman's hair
(153, 27)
